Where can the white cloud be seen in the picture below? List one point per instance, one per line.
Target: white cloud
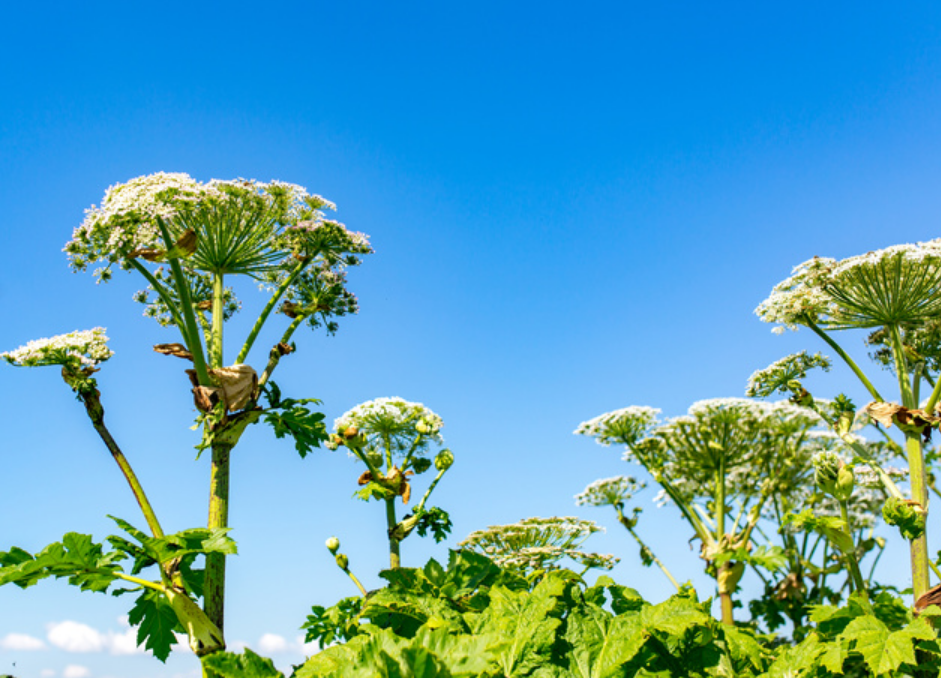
(75, 671)
(20, 641)
(124, 643)
(72, 636)
(272, 642)
(313, 647)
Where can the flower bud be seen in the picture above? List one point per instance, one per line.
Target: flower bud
(905, 514)
(350, 432)
(342, 561)
(333, 545)
(421, 464)
(422, 427)
(844, 423)
(444, 460)
(826, 471)
(843, 488)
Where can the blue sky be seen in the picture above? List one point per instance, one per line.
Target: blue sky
(575, 207)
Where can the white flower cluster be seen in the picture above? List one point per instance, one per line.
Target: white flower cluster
(125, 224)
(79, 349)
(625, 426)
(898, 283)
(609, 491)
(396, 418)
(538, 543)
(780, 375)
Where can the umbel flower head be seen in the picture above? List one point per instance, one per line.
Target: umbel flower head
(221, 227)
(624, 426)
(783, 375)
(898, 285)
(610, 491)
(539, 544)
(401, 424)
(78, 350)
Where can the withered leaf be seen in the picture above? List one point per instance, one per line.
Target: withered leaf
(206, 397)
(930, 597)
(365, 478)
(289, 309)
(238, 384)
(147, 254)
(284, 349)
(882, 412)
(178, 350)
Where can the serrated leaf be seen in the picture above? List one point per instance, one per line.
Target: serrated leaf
(600, 642)
(882, 650)
(245, 665)
(156, 621)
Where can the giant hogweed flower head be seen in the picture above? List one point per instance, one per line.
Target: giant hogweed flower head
(610, 491)
(784, 375)
(79, 350)
(394, 419)
(539, 544)
(625, 426)
(898, 285)
(234, 227)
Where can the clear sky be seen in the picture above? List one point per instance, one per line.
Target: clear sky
(575, 207)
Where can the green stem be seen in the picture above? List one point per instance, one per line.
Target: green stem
(362, 589)
(269, 307)
(214, 600)
(849, 361)
(663, 568)
(917, 473)
(96, 413)
(851, 562)
(725, 596)
(164, 294)
(137, 580)
(218, 303)
(394, 552)
(274, 357)
(186, 300)
(430, 489)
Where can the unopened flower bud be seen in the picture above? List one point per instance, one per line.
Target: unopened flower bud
(422, 427)
(826, 470)
(342, 561)
(333, 544)
(350, 432)
(845, 422)
(444, 460)
(843, 489)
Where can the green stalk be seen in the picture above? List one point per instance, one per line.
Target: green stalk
(850, 559)
(215, 348)
(663, 568)
(394, 555)
(274, 357)
(165, 296)
(214, 593)
(96, 413)
(269, 307)
(849, 361)
(725, 597)
(189, 318)
(916, 470)
(428, 492)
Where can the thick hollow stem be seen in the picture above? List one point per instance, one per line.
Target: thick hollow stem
(218, 304)
(214, 603)
(394, 554)
(274, 357)
(97, 415)
(917, 475)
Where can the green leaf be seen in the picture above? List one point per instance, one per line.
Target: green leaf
(293, 418)
(797, 661)
(246, 665)
(882, 650)
(156, 622)
(599, 642)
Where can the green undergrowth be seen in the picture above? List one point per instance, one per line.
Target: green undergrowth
(476, 619)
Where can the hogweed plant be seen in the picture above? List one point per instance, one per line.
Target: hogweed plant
(189, 240)
(721, 464)
(895, 294)
(393, 438)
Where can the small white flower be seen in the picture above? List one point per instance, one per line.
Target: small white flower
(85, 349)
